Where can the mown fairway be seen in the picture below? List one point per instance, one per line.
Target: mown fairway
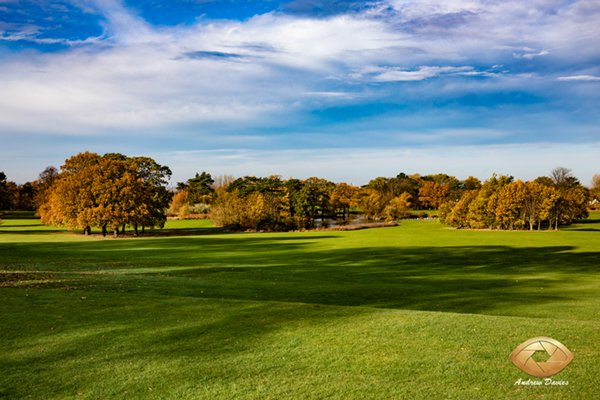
(415, 311)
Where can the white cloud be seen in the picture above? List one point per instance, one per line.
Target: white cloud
(396, 74)
(530, 56)
(579, 78)
(134, 78)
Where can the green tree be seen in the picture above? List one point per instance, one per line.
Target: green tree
(571, 202)
(318, 193)
(5, 193)
(472, 183)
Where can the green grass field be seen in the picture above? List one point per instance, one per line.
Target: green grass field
(418, 311)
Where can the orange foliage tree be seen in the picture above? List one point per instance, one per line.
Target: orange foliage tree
(93, 191)
(345, 197)
(433, 195)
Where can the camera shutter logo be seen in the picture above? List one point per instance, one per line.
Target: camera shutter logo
(559, 356)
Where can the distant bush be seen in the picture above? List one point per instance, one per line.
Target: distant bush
(199, 208)
(180, 199)
(423, 215)
(183, 211)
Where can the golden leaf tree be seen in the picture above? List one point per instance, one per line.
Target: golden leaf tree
(433, 195)
(345, 197)
(508, 205)
(95, 191)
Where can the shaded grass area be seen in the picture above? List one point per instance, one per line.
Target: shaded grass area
(416, 311)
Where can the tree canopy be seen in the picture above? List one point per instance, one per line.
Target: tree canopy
(106, 192)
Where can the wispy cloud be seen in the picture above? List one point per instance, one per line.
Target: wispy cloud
(579, 78)
(530, 56)
(397, 74)
(200, 55)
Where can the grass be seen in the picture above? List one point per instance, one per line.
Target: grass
(415, 311)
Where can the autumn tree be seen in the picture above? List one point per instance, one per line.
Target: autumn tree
(533, 203)
(456, 187)
(445, 212)
(458, 215)
(408, 184)
(155, 177)
(94, 191)
(481, 213)
(43, 184)
(345, 197)
(254, 210)
(378, 194)
(398, 207)
(433, 195)
(508, 205)
(179, 201)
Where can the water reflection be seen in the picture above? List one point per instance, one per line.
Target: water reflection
(329, 222)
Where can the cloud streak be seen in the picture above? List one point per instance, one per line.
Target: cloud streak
(579, 78)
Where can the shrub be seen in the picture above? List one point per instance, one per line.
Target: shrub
(179, 200)
(199, 208)
(183, 211)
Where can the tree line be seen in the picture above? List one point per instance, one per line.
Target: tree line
(503, 203)
(272, 203)
(114, 191)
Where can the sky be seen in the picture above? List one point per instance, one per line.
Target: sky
(343, 90)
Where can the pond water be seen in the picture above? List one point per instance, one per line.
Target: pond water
(329, 222)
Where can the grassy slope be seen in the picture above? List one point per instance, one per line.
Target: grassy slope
(417, 311)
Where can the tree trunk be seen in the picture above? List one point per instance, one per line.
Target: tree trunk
(143, 229)
(123, 229)
(135, 227)
(104, 230)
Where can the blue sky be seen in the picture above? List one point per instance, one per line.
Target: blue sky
(345, 90)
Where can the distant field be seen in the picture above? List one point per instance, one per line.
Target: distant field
(418, 311)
